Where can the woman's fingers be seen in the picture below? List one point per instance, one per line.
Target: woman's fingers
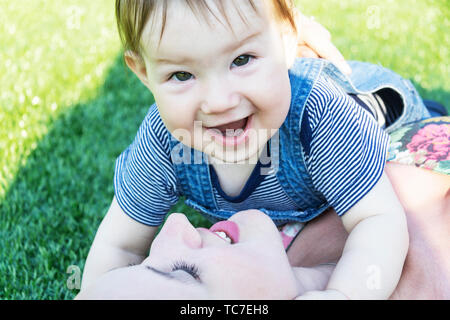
(306, 52)
(318, 39)
(325, 49)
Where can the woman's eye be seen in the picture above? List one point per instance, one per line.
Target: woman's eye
(242, 60)
(189, 268)
(181, 76)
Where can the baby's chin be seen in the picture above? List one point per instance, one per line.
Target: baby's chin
(235, 158)
(245, 155)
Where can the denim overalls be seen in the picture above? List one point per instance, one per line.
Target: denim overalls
(193, 175)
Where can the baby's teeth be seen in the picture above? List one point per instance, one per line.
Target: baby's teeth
(223, 235)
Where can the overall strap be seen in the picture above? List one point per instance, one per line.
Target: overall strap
(193, 176)
(293, 174)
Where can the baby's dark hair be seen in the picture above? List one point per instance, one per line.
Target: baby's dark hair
(132, 16)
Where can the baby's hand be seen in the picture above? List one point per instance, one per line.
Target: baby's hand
(314, 41)
(322, 295)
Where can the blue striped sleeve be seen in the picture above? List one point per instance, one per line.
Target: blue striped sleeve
(347, 147)
(144, 180)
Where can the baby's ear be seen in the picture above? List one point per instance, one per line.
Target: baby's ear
(137, 64)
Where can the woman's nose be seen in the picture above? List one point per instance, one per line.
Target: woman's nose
(219, 97)
(177, 230)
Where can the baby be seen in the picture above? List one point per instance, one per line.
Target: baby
(239, 123)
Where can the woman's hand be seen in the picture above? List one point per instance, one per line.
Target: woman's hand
(314, 41)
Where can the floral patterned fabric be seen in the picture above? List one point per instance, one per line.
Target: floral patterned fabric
(424, 144)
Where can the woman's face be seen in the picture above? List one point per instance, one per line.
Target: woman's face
(190, 263)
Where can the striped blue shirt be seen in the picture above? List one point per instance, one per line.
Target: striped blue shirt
(345, 156)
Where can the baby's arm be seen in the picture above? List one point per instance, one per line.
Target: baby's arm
(374, 253)
(119, 241)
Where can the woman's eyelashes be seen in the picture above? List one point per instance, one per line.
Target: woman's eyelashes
(191, 269)
(182, 76)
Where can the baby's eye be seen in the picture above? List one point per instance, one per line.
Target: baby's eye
(181, 76)
(242, 60)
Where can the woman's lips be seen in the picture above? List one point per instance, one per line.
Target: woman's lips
(230, 228)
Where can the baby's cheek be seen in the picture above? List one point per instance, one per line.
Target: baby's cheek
(277, 89)
(180, 125)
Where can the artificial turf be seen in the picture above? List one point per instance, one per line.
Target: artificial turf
(68, 108)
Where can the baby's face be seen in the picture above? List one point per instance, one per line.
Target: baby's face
(205, 76)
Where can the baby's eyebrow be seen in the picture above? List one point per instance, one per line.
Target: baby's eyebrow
(230, 48)
(184, 60)
(241, 42)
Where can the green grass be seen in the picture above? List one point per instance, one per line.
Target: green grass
(68, 108)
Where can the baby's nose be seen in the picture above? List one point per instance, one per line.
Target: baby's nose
(220, 98)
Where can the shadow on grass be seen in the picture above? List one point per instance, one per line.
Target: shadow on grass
(52, 210)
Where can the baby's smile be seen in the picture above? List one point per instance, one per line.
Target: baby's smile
(232, 133)
(230, 128)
